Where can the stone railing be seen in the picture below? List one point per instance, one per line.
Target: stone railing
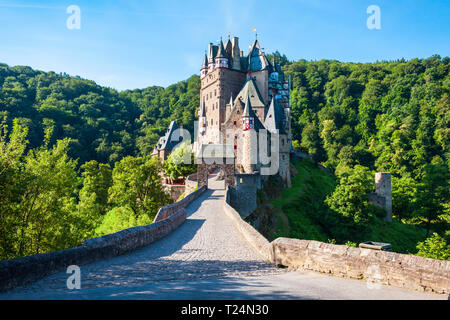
(190, 184)
(174, 190)
(258, 241)
(170, 209)
(373, 266)
(20, 271)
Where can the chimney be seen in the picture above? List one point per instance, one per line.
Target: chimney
(210, 53)
(236, 65)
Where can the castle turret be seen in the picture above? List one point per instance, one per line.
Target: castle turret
(249, 157)
(221, 60)
(204, 69)
(248, 121)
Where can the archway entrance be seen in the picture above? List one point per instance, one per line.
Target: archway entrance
(213, 160)
(216, 178)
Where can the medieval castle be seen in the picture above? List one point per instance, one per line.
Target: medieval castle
(241, 96)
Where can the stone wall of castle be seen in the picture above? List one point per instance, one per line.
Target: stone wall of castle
(243, 197)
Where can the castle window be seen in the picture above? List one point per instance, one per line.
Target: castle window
(234, 122)
(212, 122)
(215, 92)
(282, 143)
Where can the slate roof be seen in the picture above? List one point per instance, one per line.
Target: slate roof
(256, 59)
(168, 141)
(275, 117)
(251, 90)
(221, 53)
(229, 48)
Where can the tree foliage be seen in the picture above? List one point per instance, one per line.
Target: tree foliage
(180, 163)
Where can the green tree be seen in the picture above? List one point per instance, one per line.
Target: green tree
(433, 194)
(13, 182)
(350, 198)
(137, 185)
(180, 162)
(93, 196)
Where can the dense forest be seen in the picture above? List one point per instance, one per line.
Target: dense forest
(71, 148)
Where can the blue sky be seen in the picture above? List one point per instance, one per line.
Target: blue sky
(134, 44)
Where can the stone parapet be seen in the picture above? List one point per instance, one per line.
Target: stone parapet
(258, 241)
(20, 271)
(374, 266)
(170, 209)
(190, 184)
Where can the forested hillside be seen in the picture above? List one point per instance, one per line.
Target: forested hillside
(103, 124)
(353, 118)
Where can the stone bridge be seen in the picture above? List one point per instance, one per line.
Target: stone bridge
(205, 258)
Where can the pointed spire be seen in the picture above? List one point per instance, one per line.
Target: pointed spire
(221, 52)
(247, 108)
(271, 122)
(231, 102)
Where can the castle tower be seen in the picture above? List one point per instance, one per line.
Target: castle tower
(383, 190)
(235, 96)
(217, 87)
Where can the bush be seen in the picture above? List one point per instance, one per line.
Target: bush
(434, 247)
(121, 218)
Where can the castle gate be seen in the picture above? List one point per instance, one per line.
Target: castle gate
(215, 155)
